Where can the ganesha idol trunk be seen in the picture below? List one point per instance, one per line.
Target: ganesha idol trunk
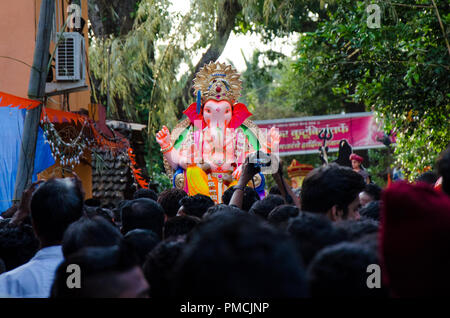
(204, 153)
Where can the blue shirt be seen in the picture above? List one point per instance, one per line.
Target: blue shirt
(35, 278)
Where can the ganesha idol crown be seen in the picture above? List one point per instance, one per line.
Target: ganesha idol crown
(217, 81)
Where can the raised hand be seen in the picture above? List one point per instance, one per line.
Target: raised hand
(163, 137)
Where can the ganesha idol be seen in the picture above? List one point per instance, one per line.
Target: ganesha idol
(204, 153)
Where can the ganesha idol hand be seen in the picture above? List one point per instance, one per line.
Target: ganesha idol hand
(273, 140)
(237, 173)
(163, 138)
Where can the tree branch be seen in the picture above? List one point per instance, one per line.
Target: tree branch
(224, 25)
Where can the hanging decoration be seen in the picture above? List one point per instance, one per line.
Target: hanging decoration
(137, 173)
(67, 144)
(8, 100)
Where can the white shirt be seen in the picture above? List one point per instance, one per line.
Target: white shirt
(35, 278)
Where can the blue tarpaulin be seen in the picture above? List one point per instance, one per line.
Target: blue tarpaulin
(11, 128)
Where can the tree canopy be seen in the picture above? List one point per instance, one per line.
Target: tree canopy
(143, 70)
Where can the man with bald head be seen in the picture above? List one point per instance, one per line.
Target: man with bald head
(54, 206)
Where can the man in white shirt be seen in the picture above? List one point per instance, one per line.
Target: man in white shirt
(54, 206)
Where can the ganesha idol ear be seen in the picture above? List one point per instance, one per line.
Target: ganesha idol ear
(194, 116)
(240, 114)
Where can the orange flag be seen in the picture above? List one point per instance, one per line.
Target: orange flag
(8, 100)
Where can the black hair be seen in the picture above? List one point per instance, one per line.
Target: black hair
(142, 214)
(274, 190)
(170, 201)
(93, 202)
(143, 241)
(330, 185)
(106, 214)
(356, 229)
(370, 241)
(159, 264)
(373, 190)
(95, 231)
(2, 266)
(443, 167)
(263, 207)
(428, 177)
(250, 197)
(54, 206)
(145, 193)
(196, 205)
(341, 271)
(221, 208)
(17, 245)
(180, 225)
(280, 216)
(371, 210)
(312, 232)
(99, 267)
(238, 255)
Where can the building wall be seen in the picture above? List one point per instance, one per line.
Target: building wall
(18, 26)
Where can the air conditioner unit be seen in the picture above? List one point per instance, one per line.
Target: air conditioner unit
(70, 57)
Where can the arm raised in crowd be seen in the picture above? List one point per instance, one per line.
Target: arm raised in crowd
(285, 189)
(248, 171)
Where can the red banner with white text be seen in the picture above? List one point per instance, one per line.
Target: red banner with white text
(301, 135)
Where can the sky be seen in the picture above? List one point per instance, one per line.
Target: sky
(237, 42)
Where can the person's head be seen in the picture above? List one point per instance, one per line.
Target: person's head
(371, 210)
(170, 201)
(371, 192)
(238, 255)
(263, 207)
(93, 202)
(342, 271)
(359, 228)
(145, 193)
(274, 190)
(356, 161)
(106, 214)
(443, 167)
(180, 225)
(219, 208)
(332, 190)
(195, 205)
(17, 245)
(428, 177)
(54, 206)
(142, 214)
(143, 241)
(414, 240)
(85, 232)
(104, 272)
(250, 197)
(159, 264)
(281, 215)
(312, 232)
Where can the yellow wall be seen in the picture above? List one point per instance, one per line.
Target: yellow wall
(18, 26)
(17, 36)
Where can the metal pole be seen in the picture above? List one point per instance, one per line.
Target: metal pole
(36, 90)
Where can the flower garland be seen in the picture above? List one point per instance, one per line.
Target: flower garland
(136, 172)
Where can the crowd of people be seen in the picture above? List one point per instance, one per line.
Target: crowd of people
(323, 242)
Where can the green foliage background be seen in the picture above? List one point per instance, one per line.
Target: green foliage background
(400, 70)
